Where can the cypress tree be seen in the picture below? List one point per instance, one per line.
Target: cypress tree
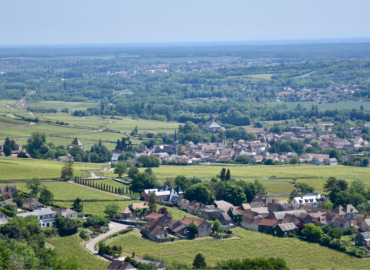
(223, 174)
(228, 175)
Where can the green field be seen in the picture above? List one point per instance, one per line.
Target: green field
(247, 244)
(72, 246)
(59, 105)
(277, 179)
(326, 106)
(15, 169)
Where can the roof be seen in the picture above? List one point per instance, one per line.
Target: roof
(125, 211)
(142, 205)
(156, 229)
(339, 220)
(3, 188)
(76, 141)
(260, 210)
(186, 221)
(179, 228)
(212, 125)
(120, 265)
(249, 213)
(287, 226)
(154, 216)
(223, 204)
(38, 212)
(268, 222)
(59, 210)
(365, 234)
(257, 221)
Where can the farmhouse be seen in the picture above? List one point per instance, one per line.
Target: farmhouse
(164, 194)
(65, 212)
(310, 199)
(204, 228)
(44, 215)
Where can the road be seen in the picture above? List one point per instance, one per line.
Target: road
(113, 228)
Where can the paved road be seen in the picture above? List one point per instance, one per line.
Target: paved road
(113, 228)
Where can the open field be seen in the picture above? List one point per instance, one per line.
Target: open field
(305, 75)
(276, 179)
(71, 246)
(59, 105)
(254, 76)
(15, 169)
(247, 244)
(326, 106)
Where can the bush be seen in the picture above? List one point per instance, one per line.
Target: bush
(7, 212)
(349, 231)
(84, 235)
(325, 241)
(10, 207)
(66, 226)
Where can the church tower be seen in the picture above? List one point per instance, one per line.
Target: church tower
(176, 144)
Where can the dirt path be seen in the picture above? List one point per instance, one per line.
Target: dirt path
(21, 103)
(30, 113)
(12, 115)
(100, 190)
(9, 107)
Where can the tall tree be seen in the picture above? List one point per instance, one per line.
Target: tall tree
(78, 205)
(35, 185)
(199, 261)
(228, 175)
(152, 202)
(67, 170)
(46, 197)
(223, 174)
(111, 210)
(120, 169)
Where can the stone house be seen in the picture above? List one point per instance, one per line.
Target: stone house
(11, 189)
(363, 239)
(285, 229)
(267, 226)
(362, 222)
(341, 223)
(204, 228)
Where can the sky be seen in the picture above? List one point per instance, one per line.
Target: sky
(36, 22)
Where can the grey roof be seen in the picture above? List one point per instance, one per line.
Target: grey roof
(287, 226)
(223, 204)
(365, 234)
(38, 212)
(260, 210)
(213, 125)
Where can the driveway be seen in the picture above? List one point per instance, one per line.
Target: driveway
(113, 228)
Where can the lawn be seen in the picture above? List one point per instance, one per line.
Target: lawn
(17, 169)
(71, 246)
(247, 244)
(59, 105)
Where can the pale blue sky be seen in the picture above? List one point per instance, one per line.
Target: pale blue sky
(118, 21)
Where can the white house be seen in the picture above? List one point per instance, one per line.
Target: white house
(44, 215)
(65, 212)
(310, 199)
(331, 161)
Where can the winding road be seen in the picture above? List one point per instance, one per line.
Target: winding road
(113, 228)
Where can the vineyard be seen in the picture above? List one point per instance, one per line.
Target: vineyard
(247, 244)
(70, 246)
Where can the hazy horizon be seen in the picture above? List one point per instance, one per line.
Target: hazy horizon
(42, 22)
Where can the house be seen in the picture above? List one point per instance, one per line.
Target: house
(31, 203)
(222, 216)
(157, 265)
(164, 194)
(349, 211)
(3, 218)
(363, 239)
(310, 199)
(68, 157)
(65, 212)
(254, 225)
(223, 205)
(77, 142)
(10, 189)
(285, 229)
(9, 201)
(267, 226)
(129, 213)
(204, 228)
(362, 221)
(213, 127)
(248, 217)
(340, 222)
(236, 215)
(330, 161)
(121, 265)
(44, 215)
(154, 230)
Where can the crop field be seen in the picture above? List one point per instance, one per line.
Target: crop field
(15, 169)
(246, 244)
(70, 246)
(59, 105)
(268, 174)
(326, 106)
(23, 131)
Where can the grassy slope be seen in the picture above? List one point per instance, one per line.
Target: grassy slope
(248, 244)
(264, 174)
(70, 246)
(13, 168)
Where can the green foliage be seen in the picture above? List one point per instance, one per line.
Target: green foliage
(111, 210)
(312, 233)
(142, 181)
(35, 185)
(7, 211)
(152, 202)
(66, 226)
(67, 170)
(200, 261)
(46, 197)
(192, 228)
(78, 205)
(256, 263)
(200, 193)
(102, 153)
(120, 169)
(149, 161)
(132, 172)
(183, 182)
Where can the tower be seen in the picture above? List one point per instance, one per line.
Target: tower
(176, 144)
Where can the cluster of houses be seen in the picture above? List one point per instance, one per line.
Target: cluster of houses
(46, 216)
(257, 150)
(264, 214)
(335, 92)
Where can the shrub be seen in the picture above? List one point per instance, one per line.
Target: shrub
(348, 231)
(325, 241)
(7, 212)
(84, 235)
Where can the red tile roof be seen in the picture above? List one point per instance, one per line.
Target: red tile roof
(257, 221)
(249, 213)
(186, 221)
(154, 216)
(268, 222)
(156, 229)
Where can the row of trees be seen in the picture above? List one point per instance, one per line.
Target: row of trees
(102, 186)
